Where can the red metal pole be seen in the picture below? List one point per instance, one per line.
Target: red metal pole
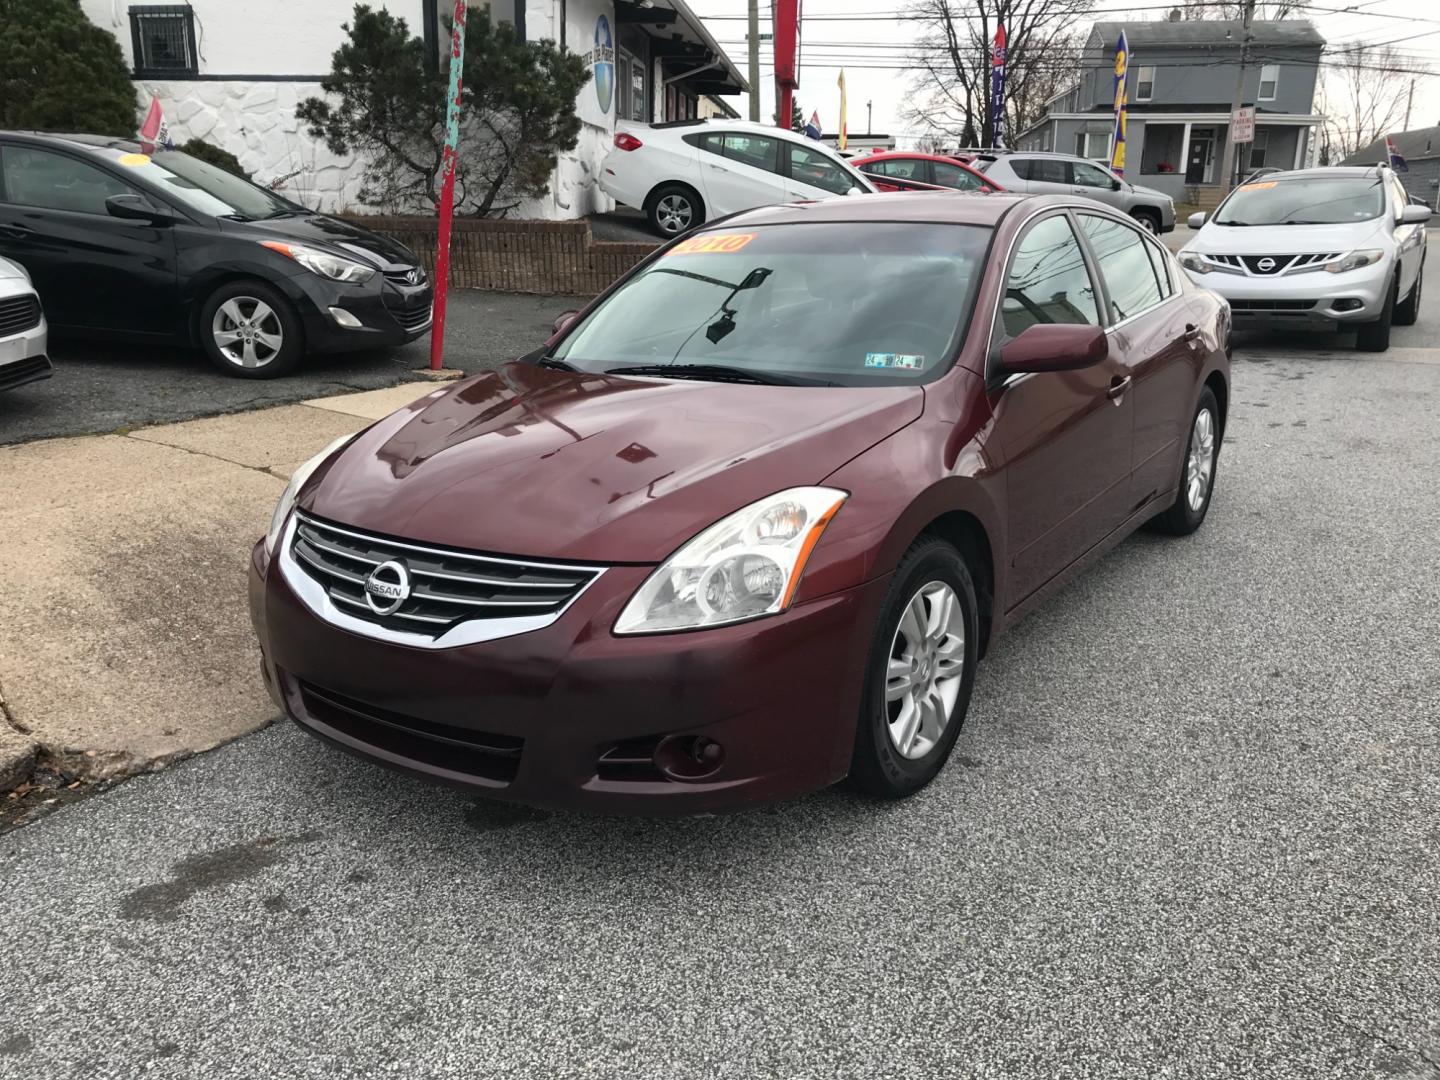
(447, 188)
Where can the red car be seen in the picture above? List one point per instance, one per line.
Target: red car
(745, 526)
(905, 171)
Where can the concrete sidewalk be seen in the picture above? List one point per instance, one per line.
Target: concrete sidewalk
(125, 642)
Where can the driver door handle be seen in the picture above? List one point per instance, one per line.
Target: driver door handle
(1192, 332)
(17, 232)
(1118, 385)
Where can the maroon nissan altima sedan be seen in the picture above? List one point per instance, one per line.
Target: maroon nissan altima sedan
(745, 526)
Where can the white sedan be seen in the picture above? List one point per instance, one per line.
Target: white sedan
(689, 171)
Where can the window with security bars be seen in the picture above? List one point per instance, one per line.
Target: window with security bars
(164, 39)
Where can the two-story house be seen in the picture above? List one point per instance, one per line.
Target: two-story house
(1180, 85)
(232, 72)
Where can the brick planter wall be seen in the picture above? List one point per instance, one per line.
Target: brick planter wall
(546, 257)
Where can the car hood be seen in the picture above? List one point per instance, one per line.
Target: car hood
(371, 248)
(1286, 239)
(1150, 193)
(533, 462)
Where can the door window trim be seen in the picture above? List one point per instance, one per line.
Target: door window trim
(1094, 260)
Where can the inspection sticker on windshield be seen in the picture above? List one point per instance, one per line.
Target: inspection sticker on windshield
(894, 360)
(712, 244)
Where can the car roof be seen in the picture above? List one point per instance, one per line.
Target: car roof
(720, 123)
(76, 141)
(885, 155)
(1333, 171)
(950, 207)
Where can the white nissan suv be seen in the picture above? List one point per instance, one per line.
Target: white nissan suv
(1335, 247)
(686, 172)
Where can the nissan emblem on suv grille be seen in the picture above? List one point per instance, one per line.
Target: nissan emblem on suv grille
(387, 587)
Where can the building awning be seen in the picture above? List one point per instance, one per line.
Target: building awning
(691, 55)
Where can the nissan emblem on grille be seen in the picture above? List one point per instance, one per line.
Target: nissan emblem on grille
(387, 587)
(1267, 264)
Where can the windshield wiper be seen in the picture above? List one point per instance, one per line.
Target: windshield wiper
(718, 373)
(556, 363)
(1236, 224)
(1304, 221)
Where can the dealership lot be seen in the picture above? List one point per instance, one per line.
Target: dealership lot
(1189, 830)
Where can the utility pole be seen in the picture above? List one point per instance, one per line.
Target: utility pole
(1410, 100)
(754, 42)
(1227, 160)
(869, 104)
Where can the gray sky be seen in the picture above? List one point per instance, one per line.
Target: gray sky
(871, 49)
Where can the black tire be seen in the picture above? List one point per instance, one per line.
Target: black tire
(674, 209)
(1408, 312)
(1149, 221)
(1183, 517)
(877, 767)
(1375, 336)
(276, 317)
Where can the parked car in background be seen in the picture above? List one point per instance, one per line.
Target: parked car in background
(686, 172)
(164, 247)
(746, 525)
(902, 170)
(1065, 174)
(1340, 247)
(22, 329)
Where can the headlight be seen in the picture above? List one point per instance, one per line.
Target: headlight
(292, 489)
(1355, 260)
(742, 567)
(322, 262)
(1194, 263)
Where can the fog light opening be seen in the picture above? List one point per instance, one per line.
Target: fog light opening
(345, 319)
(1349, 303)
(689, 757)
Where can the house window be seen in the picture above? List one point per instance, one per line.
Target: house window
(1145, 84)
(1269, 79)
(1093, 144)
(1259, 146)
(163, 36)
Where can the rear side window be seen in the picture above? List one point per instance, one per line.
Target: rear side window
(757, 151)
(1041, 170)
(41, 178)
(1048, 280)
(1125, 265)
(952, 176)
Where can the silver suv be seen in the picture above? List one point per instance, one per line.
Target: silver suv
(1065, 174)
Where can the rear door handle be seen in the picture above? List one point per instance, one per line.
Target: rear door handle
(17, 232)
(1118, 385)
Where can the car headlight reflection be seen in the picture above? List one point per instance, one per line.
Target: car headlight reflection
(1354, 260)
(742, 567)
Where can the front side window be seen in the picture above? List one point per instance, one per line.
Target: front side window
(757, 151)
(1310, 200)
(856, 304)
(1144, 83)
(900, 168)
(163, 39)
(809, 167)
(1125, 264)
(952, 176)
(56, 182)
(1269, 81)
(1048, 280)
(1092, 176)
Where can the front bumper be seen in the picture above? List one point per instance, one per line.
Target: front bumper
(572, 716)
(23, 357)
(1311, 300)
(389, 313)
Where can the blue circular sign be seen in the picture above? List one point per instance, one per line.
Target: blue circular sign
(603, 63)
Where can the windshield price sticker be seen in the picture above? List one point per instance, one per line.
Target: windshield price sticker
(908, 361)
(1258, 187)
(134, 161)
(712, 244)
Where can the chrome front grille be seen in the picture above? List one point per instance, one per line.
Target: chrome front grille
(411, 275)
(1271, 265)
(444, 590)
(18, 314)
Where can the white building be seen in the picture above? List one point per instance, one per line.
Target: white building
(233, 71)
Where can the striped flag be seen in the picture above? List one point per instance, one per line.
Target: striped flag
(997, 89)
(155, 132)
(1398, 163)
(1122, 105)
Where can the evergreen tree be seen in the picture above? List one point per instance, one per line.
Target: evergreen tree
(61, 72)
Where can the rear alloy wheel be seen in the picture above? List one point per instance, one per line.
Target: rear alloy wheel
(921, 671)
(674, 209)
(249, 330)
(1407, 313)
(1197, 478)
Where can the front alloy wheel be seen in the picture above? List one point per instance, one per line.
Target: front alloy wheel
(927, 660)
(247, 331)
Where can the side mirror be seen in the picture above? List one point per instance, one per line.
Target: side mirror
(1414, 215)
(136, 208)
(1116, 185)
(1054, 347)
(1195, 221)
(564, 319)
(855, 191)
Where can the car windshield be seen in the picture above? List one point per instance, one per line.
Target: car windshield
(850, 304)
(1313, 200)
(204, 187)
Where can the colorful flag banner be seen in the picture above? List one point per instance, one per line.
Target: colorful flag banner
(1398, 163)
(1122, 105)
(812, 129)
(844, 138)
(155, 131)
(997, 89)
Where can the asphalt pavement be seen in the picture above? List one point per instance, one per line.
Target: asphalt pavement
(1190, 830)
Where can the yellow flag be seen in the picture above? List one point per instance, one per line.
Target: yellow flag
(844, 135)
